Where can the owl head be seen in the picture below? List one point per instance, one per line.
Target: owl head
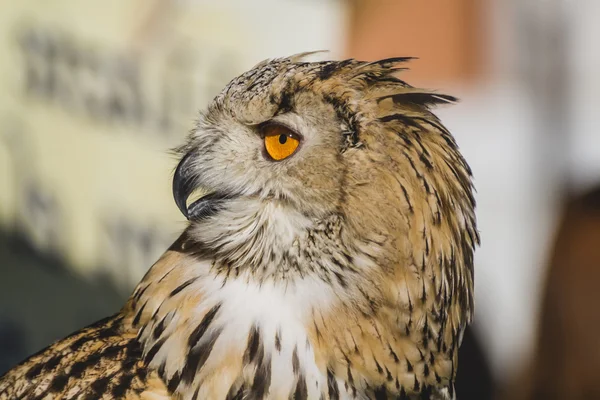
(321, 168)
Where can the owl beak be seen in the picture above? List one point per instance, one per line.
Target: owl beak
(184, 184)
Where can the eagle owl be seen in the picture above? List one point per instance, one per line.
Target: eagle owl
(331, 256)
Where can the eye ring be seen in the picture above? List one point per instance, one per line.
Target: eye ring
(280, 142)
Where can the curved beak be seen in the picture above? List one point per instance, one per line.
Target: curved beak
(184, 184)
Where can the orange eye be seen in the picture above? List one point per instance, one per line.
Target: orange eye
(280, 142)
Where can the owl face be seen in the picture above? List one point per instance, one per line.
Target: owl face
(290, 158)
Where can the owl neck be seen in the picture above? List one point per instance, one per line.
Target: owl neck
(214, 335)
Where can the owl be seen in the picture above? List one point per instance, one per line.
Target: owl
(329, 255)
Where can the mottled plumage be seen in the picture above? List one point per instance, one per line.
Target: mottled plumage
(342, 271)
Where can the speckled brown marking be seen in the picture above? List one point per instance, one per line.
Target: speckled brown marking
(102, 359)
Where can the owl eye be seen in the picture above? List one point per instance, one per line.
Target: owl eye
(280, 142)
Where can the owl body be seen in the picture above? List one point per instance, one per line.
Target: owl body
(331, 257)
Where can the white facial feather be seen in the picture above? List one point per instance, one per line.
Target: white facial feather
(256, 229)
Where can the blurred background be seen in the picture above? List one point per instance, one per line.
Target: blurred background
(94, 94)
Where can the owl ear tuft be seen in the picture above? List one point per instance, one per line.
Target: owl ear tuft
(304, 55)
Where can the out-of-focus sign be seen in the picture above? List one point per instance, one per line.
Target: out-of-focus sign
(92, 97)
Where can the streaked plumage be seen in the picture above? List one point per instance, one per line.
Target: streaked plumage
(342, 271)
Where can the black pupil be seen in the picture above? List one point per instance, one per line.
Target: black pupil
(282, 139)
